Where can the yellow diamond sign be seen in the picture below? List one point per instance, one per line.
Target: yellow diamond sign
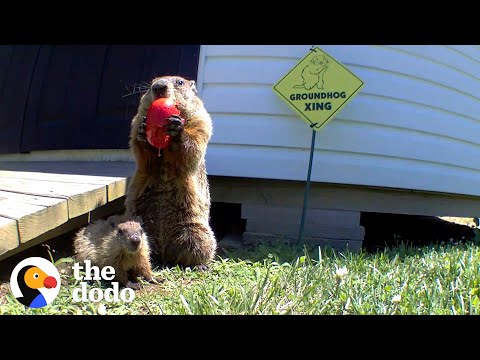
(318, 87)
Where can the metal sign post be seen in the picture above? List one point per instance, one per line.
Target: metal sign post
(316, 88)
(307, 187)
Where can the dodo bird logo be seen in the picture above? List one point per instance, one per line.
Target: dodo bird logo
(35, 282)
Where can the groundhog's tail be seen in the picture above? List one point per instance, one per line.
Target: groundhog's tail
(298, 86)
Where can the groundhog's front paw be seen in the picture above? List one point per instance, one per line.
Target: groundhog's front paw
(174, 125)
(132, 285)
(141, 132)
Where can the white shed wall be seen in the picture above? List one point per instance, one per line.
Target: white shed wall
(414, 125)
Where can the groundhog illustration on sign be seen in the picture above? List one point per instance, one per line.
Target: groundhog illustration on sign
(313, 73)
(170, 189)
(119, 242)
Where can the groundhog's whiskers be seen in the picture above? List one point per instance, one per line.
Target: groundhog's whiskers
(138, 88)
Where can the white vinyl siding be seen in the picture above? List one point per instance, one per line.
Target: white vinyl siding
(414, 125)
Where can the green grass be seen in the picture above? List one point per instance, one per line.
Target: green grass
(284, 280)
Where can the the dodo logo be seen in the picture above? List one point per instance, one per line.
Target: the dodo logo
(35, 282)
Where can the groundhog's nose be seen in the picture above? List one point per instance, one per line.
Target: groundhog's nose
(159, 88)
(136, 238)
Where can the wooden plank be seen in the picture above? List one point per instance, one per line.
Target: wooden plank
(116, 206)
(70, 225)
(91, 168)
(33, 220)
(81, 197)
(341, 197)
(8, 235)
(111, 174)
(65, 178)
(87, 201)
(34, 199)
(117, 189)
(272, 226)
(42, 196)
(116, 186)
(291, 215)
(53, 212)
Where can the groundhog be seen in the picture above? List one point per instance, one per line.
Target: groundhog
(170, 189)
(119, 242)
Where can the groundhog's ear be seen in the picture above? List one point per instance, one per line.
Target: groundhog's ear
(112, 220)
(193, 85)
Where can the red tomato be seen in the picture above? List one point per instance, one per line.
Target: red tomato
(156, 122)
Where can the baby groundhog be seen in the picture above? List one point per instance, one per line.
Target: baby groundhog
(119, 242)
(169, 189)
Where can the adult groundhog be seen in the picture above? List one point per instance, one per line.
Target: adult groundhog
(170, 189)
(119, 242)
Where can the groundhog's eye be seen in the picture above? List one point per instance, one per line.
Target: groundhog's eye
(180, 82)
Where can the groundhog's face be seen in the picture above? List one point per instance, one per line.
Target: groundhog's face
(130, 234)
(319, 60)
(181, 90)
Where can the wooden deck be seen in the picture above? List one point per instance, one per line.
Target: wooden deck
(41, 200)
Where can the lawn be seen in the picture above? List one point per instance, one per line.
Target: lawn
(442, 279)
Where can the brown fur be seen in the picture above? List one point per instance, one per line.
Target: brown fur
(108, 243)
(171, 192)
